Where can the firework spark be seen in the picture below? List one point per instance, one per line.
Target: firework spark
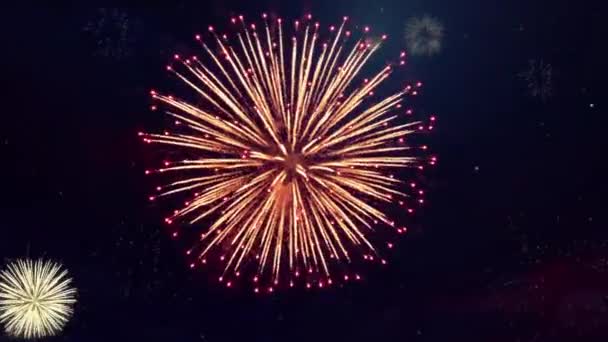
(287, 153)
(35, 298)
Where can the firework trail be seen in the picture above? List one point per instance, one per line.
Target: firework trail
(35, 298)
(287, 154)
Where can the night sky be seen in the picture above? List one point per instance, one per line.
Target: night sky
(511, 245)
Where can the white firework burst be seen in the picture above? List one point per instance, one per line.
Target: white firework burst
(36, 298)
(423, 35)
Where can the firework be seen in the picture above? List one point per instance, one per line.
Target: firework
(423, 35)
(35, 298)
(287, 154)
(539, 79)
(112, 31)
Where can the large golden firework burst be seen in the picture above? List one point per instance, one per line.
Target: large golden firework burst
(289, 157)
(36, 298)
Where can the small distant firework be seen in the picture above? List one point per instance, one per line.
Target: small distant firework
(423, 35)
(539, 79)
(137, 256)
(36, 298)
(286, 153)
(111, 28)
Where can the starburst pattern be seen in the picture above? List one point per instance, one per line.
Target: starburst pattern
(289, 157)
(35, 298)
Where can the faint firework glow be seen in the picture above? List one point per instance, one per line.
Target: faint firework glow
(111, 29)
(538, 78)
(423, 35)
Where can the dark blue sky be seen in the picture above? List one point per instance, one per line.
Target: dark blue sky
(74, 189)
